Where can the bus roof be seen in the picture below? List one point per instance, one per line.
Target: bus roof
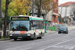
(31, 17)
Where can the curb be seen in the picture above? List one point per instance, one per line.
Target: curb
(4, 39)
(50, 32)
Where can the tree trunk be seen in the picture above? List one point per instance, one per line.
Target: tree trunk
(5, 19)
(0, 14)
(38, 11)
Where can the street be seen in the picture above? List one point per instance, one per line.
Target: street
(51, 41)
(31, 19)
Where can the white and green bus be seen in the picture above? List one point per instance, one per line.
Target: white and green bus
(22, 27)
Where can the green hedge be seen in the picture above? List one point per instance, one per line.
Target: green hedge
(3, 37)
(51, 28)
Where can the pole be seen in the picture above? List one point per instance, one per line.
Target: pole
(40, 7)
(61, 11)
(33, 8)
(0, 14)
(66, 15)
(5, 18)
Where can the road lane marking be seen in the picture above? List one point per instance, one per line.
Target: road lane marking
(25, 46)
(58, 44)
(30, 45)
(64, 47)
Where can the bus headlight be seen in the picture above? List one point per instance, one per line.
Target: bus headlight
(10, 34)
(28, 34)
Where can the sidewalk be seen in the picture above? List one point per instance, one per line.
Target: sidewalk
(4, 39)
(49, 31)
(69, 28)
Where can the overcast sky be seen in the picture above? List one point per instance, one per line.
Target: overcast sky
(63, 1)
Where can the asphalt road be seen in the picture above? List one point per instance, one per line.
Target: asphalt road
(52, 41)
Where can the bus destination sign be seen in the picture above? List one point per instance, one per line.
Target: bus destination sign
(19, 18)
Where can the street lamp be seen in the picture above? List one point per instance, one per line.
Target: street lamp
(65, 15)
(32, 7)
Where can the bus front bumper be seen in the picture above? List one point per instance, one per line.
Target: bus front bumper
(21, 36)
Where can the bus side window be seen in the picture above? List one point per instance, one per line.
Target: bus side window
(32, 25)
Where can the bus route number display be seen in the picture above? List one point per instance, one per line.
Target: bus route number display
(19, 18)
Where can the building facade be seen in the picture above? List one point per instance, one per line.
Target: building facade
(67, 11)
(55, 14)
(52, 15)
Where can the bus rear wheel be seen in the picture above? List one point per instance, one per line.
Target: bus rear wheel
(40, 36)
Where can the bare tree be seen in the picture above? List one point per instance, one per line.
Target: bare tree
(38, 3)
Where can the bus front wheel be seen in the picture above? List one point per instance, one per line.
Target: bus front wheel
(15, 39)
(34, 36)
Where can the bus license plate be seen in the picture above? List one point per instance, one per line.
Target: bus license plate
(19, 37)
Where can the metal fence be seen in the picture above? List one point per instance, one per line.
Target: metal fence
(53, 28)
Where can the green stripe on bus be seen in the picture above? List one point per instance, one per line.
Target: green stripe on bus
(35, 19)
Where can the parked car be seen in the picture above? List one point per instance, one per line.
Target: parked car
(62, 29)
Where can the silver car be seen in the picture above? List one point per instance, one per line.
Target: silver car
(62, 29)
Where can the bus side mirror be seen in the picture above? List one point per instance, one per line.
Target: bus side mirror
(11, 22)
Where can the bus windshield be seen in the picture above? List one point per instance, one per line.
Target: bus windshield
(19, 25)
